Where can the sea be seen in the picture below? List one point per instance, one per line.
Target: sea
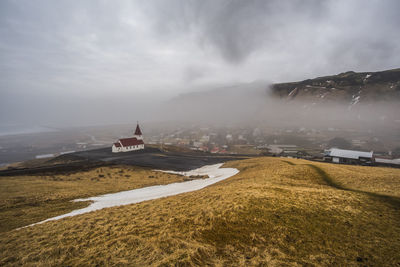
(15, 129)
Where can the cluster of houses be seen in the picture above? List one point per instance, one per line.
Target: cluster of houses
(202, 139)
(334, 155)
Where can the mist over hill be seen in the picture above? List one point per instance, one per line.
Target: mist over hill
(369, 101)
(230, 104)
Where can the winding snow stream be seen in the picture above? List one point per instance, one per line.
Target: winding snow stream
(214, 172)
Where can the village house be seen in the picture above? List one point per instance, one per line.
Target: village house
(286, 149)
(337, 155)
(129, 144)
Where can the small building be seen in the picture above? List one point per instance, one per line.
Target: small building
(215, 150)
(129, 144)
(337, 155)
(197, 144)
(278, 149)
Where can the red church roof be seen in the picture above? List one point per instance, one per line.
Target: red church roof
(131, 141)
(117, 144)
(138, 131)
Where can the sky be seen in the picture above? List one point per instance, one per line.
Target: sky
(93, 62)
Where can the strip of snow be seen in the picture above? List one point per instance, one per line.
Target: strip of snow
(354, 100)
(44, 156)
(67, 152)
(214, 172)
(293, 92)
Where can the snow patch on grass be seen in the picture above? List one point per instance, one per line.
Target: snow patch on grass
(215, 172)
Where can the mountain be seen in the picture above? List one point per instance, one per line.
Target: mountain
(348, 87)
(370, 100)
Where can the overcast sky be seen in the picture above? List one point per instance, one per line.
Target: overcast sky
(89, 56)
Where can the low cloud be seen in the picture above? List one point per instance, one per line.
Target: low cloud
(75, 50)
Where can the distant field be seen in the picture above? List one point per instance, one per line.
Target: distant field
(274, 212)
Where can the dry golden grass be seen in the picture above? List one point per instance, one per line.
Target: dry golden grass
(245, 149)
(274, 212)
(371, 179)
(28, 199)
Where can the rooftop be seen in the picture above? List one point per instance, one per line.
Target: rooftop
(350, 154)
(131, 141)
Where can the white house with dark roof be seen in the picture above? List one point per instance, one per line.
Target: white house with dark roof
(129, 144)
(337, 155)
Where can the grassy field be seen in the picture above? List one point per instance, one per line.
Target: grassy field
(274, 212)
(28, 199)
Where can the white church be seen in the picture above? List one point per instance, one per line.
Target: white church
(131, 143)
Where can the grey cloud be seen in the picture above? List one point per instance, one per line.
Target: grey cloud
(234, 28)
(79, 49)
(237, 29)
(193, 73)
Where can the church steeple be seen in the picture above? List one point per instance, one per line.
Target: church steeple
(138, 132)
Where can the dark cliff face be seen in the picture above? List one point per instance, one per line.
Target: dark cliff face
(349, 87)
